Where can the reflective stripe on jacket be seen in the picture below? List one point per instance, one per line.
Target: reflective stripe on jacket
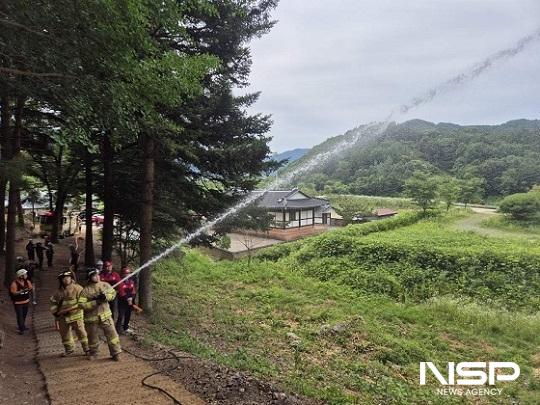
(67, 297)
(93, 310)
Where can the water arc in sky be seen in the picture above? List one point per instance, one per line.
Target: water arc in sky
(362, 134)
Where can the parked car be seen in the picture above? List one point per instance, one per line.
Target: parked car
(82, 214)
(98, 219)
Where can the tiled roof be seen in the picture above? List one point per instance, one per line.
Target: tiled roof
(279, 199)
(383, 212)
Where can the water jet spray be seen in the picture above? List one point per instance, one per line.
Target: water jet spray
(361, 134)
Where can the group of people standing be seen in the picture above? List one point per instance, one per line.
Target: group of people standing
(86, 310)
(39, 250)
(105, 302)
(123, 304)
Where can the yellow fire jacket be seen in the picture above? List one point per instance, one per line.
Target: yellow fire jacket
(68, 297)
(93, 310)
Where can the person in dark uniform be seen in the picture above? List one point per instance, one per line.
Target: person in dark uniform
(126, 297)
(49, 252)
(73, 257)
(30, 250)
(40, 250)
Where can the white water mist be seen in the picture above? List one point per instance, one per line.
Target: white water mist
(360, 136)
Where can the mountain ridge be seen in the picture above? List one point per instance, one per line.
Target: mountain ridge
(504, 156)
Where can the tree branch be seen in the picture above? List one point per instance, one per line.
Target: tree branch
(24, 27)
(34, 74)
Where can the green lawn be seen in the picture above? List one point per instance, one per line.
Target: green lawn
(526, 229)
(322, 337)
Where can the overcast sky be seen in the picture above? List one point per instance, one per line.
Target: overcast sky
(330, 65)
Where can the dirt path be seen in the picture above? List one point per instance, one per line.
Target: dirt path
(33, 372)
(21, 381)
(474, 221)
(76, 380)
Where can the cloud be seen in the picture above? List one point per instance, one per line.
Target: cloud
(327, 67)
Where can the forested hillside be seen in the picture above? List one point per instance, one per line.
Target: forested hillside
(505, 157)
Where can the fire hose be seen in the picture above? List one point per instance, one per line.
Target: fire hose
(171, 356)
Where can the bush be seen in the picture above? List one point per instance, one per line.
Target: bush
(400, 266)
(276, 252)
(522, 205)
(329, 241)
(404, 219)
(419, 262)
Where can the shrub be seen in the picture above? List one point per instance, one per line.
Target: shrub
(522, 205)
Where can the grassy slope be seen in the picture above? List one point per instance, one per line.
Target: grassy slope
(354, 347)
(526, 229)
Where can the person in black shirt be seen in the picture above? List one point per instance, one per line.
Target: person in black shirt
(73, 257)
(40, 249)
(49, 252)
(30, 250)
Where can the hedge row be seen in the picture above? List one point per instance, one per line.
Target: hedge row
(401, 268)
(277, 252)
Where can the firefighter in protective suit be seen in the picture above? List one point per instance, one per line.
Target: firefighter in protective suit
(97, 314)
(65, 307)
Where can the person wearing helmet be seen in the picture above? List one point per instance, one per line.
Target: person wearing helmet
(20, 291)
(111, 277)
(65, 306)
(126, 296)
(97, 314)
(99, 265)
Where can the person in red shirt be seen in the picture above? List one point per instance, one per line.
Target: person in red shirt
(20, 291)
(111, 277)
(126, 297)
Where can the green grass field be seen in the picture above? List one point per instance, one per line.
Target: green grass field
(525, 229)
(347, 316)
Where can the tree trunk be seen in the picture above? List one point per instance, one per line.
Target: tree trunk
(20, 212)
(11, 234)
(3, 192)
(89, 257)
(50, 197)
(14, 147)
(5, 118)
(33, 215)
(145, 241)
(58, 224)
(108, 200)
